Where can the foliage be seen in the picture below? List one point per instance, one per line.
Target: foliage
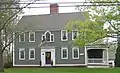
(100, 19)
(89, 30)
(9, 11)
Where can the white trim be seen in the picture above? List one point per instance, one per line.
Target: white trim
(49, 37)
(97, 66)
(86, 58)
(62, 52)
(81, 54)
(26, 65)
(56, 65)
(43, 56)
(76, 35)
(21, 49)
(70, 65)
(29, 36)
(53, 37)
(20, 37)
(62, 35)
(31, 49)
(13, 51)
(42, 37)
(96, 48)
(73, 52)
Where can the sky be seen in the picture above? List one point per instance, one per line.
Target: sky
(38, 11)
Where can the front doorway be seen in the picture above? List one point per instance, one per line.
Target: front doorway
(48, 57)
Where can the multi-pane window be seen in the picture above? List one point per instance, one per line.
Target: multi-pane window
(75, 53)
(74, 34)
(21, 37)
(64, 35)
(47, 36)
(64, 53)
(31, 36)
(32, 54)
(21, 54)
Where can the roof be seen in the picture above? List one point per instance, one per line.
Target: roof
(47, 21)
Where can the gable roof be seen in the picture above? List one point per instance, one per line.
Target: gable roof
(48, 22)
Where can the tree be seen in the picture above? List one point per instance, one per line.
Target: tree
(98, 14)
(7, 24)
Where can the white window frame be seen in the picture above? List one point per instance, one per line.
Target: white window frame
(62, 52)
(50, 36)
(31, 49)
(53, 37)
(21, 49)
(62, 35)
(73, 52)
(72, 34)
(29, 36)
(20, 37)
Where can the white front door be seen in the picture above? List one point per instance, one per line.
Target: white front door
(47, 55)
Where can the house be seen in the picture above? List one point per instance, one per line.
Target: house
(45, 42)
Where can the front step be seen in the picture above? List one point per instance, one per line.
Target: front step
(97, 66)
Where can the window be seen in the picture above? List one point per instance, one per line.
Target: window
(47, 36)
(64, 53)
(43, 38)
(74, 35)
(31, 36)
(64, 35)
(32, 54)
(75, 53)
(22, 54)
(22, 37)
(52, 37)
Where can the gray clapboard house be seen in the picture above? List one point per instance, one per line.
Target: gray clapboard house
(45, 42)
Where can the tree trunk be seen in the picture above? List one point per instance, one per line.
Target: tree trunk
(1, 61)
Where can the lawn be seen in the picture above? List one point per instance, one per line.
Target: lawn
(62, 70)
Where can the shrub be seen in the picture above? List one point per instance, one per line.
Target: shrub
(8, 65)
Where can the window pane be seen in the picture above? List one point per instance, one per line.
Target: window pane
(64, 37)
(64, 53)
(48, 36)
(74, 34)
(43, 38)
(75, 53)
(52, 37)
(22, 54)
(22, 37)
(32, 36)
(32, 54)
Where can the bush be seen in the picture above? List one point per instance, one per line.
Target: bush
(8, 65)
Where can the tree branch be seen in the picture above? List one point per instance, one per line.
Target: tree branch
(5, 24)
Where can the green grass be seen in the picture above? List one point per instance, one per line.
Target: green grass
(62, 70)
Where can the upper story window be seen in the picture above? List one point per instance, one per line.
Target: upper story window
(75, 53)
(21, 37)
(74, 34)
(31, 36)
(64, 35)
(64, 53)
(47, 36)
(31, 54)
(22, 54)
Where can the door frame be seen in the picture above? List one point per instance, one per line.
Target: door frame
(43, 56)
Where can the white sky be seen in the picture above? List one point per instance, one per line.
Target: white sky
(37, 11)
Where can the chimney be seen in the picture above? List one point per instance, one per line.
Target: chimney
(54, 8)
